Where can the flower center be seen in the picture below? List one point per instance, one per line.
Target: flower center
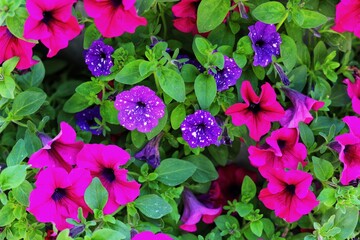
(58, 194)
(141, 104)
(281, 143)
(234, 191)
(116, 3)
(254, 107)
(47, 16)
(260, 43)
(108, 174)
(290, 189)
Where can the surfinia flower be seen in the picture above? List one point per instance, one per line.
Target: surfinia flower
(282, 150)
(60, 151)
(288, 194)
(227, 76)
(300, 111)
(194, 211)
(185, 13)
(257, 112)
(98, 58)
(12, 46)
(347, 17)
(353, 91)
(265, 43)
(51, 22)
(139, 108)
(350, 150)
(200, 129)
(114, 17)
(58, 195)
(86, 120)
(150, 153)
(147, 235)
(104, 162)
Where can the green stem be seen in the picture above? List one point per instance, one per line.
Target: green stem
(162, 15)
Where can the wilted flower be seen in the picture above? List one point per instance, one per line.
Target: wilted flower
(150, 153)
(86, 120)
(98, 58)
(284, 78)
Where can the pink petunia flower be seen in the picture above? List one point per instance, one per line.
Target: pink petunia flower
(347, 17)
(13, 46)
(114, 17)
(350, 150)
(282, 150)
(257, 112)
(60, 151)
(300, 111)
(185, 13)
(194, 211)
(288, 194)
(103, 162)
(51, 22)
(147, 235)
(353, 91)
(58, 195)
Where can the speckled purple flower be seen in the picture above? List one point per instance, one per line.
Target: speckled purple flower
(265, 42)
(139, 108)
(98, 58)
(227, 76)
(86, 120)
(200, 129)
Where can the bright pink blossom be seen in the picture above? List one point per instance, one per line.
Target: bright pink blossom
(353, 90)
(185, 13)
(58, 195)
(194, 211)
(288, 194)
(12, 46)
(350, 150)
(60, 151)
(257, 112)
(347, 17)
(114, 17)
(300, 111)
(282, 150)
(104, 162)
(51, 22)
(147, 235)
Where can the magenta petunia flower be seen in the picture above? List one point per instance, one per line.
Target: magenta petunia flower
(347, 17)
(104, 162)
(139, 108)
(350, 150)
(114, 17)
(257, 112)
(194, 211)
(58, 195)
(60, 151)
(147, 235)
(353, 91)
(282, 150)
(13, 46)
(51, 22)
(300, 111)
(185, 13)
(288, 194)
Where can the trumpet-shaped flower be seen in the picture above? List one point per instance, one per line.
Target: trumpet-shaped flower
(147, 235)
(150, 153)
(185, 13)
(353, 91)
(347, 17)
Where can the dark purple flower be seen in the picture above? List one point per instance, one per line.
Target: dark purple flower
(98, 58)
(139, 108)
(285, 80)
(227, 76)
(225, 138)
(86, 120)
(200, 129)
(188, 61)
(150, 153)
(265, 42)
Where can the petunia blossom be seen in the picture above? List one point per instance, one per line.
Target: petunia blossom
(147, 235)
(347, 17)
(150, 153)
(185, 13)
(60, 151)
(58, 195)
(350, 150)
(104, 162)
(257, 112)
(51, 22)
(288, 194)
(300, 110)
(353, 91)
(12, 46)
(114, 17)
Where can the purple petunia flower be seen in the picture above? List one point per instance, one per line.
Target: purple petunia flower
(265, 42)
(227, 76)
(86, 120)
(98, 58)
(139, 108)
(150, 153)
(200, 129)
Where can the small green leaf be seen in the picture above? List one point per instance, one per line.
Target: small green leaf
(243, 209)
(257, 227)
(6, 215)
(28, 102)
(327, 196)
(312, 19)
(306, 134)
(171, 83)
(130, 74)
(156, 130)
(9, 65)
(346, 222)
(248, 189)
(323, 169)
(205, 171)
(287, 52)
(88, 88)
(177, 116)
(34, 77)
(7, 87)
(211, 13)
(174, 171)
(76, 103)
(205, 90)
(153, 206)
(96, 196)
(17, 154)
(107, 234)
(270, 12)
(12, 177)
(64, 235)
(108, 112)
(91, 34)
(22, 192)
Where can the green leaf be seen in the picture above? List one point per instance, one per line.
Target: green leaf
(76, 103)
(107, 234)
(219, 154)
(323, 124)
(248, 189)
(189, 72)
(257, 227)
(137, 138)
(6, 215)
(346, 222)
(64, 235)
(28, 102)
(243, 209)
(96, 195)
(174, 171)
(7, 87)
(9, 65)
(205, 171)
(211, 13)
(287, 52)
(12, 177)
(205, 90)
(270, 12)
(177, 116)
(312, 19)
(323, 169)
(16, 23)
(22, 192)
(222, 36)
(108, 112)
(327, 196)
(171, 83)
(156, 130)
(306, 134)
(153, 206)
(223, 221)
(91, 34)
(17, 154)
(88, 88)
(32, 142)
(143, 5)
(130, 73)
(32, 78)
